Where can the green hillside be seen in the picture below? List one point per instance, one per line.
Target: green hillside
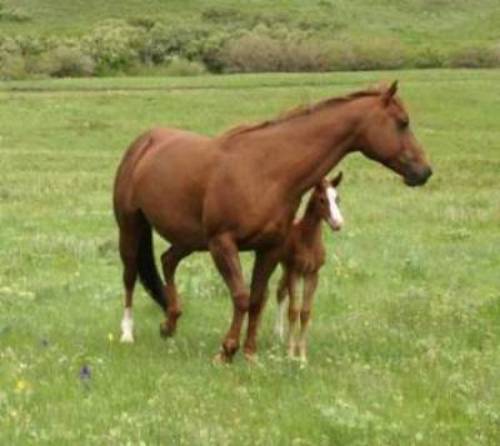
(413, 21)
(87, 38)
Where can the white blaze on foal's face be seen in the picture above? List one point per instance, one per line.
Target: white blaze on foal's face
(335, 219)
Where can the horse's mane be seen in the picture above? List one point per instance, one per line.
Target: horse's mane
(301, 110)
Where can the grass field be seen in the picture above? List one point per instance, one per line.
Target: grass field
(405, 341)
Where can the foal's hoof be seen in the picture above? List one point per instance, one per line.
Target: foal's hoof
(166, 330)
(251, 358)
(221, 358)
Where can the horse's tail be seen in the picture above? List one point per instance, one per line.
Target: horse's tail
(146, 267)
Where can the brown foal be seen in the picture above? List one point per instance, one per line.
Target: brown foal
(240, 191)
(302, 258)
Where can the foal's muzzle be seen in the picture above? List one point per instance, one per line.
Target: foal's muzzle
(335, 225)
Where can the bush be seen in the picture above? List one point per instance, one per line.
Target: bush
(427, 57)
(13, 14)
(221, 15)
(12, 63)
(12, 67)
(377, 54)
(183, 67)
(142, 22)
(164, 41)
(114, 46)
(474, 57)
(64, 61)
(259, 52)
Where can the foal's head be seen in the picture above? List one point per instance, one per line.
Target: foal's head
(325, 199)
(385, 136)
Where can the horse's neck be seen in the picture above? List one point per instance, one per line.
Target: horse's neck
(309, 146)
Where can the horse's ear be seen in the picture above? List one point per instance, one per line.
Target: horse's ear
(336, 181)
(389, 93)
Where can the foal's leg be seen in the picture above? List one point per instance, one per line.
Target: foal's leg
(265, 263)
(170, 259)
(279, 327)
(310, 284)
(226, 257)
(128, 245)
(293, 313)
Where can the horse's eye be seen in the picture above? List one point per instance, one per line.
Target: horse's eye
(403, 124)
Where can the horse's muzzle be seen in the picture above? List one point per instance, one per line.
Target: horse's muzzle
(418, 178)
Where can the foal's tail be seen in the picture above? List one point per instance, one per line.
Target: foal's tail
(146, 267)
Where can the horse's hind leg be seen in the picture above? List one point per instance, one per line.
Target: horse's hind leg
(170, 260)
(129, 244)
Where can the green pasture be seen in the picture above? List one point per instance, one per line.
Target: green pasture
(405, 341)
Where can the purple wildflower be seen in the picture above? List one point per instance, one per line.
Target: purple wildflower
(85, 373)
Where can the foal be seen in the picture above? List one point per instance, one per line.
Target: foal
(303, 257)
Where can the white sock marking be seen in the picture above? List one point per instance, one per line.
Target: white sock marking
(127, 326)
(279, 327)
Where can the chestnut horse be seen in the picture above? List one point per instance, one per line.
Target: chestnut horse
(302, 258)
(240, 191)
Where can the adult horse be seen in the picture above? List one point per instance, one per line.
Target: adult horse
(240, 191)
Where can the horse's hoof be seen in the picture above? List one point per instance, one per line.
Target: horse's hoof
(166, 330)
(127, 338)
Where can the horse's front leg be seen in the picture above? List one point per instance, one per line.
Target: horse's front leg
(265, 263)
(226, 257)
(310, 285)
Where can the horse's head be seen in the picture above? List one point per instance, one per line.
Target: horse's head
(326, 199)
(385, 136)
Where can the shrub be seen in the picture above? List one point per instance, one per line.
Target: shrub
(12, 63)
(12, 67)
(142, 22)
(474, 57)
(13, 14)
(114, 46)
(376, 54)
(183, 67)
(252, 53)
(164, 41)
(259, 52)
(427, 57)
(221, 15)
(64, 61)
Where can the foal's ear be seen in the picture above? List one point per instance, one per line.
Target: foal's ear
(389, 93)
(336, 181)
